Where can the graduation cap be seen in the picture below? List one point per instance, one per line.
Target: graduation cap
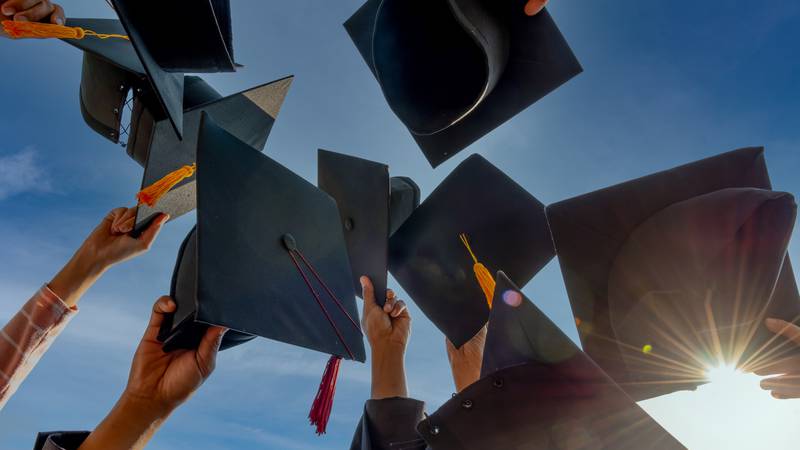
(476, 221)
(539, 390)
(248, 115)
(672, 274)
(371, 207)
(180, 37)
(454, 70)
(270, 260)
(172, 38)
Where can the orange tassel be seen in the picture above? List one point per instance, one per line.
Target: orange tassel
(17, 30)
(153, 193)
(485, 278)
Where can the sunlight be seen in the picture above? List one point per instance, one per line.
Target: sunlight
(727, 375)
(730, 412)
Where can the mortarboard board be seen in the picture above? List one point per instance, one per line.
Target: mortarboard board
(454, 70)
(248, 115)
(538, 390)
(270, 255)
(506, 228)
(180, 36)
(709, 232)
(370, 206)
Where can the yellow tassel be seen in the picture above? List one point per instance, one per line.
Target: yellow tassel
(153, 193)
(38, 30)
(485, 278)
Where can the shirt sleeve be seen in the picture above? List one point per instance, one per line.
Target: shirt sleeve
(60, 440)
(390, 424)
(27, 337)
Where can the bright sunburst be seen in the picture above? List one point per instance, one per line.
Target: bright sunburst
(731, 412)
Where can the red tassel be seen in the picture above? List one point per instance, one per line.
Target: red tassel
(323, 403)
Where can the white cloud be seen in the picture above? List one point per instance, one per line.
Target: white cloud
(20, 172)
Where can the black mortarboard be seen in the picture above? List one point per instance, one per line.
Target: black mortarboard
(538, 390)
(164, 92)
(455, 70)
(505, 226)
(271, 258)
(648, 263)
(371, 206)
(248, 115)
(179, 36)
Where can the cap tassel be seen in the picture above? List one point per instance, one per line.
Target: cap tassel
(17, 30)
(323, 402)
(485, 278)
(153, 193)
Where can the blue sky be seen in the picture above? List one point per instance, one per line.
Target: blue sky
(665, 83)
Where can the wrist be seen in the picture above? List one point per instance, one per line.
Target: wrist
(76, 277)
(149, 410)
(388, 374)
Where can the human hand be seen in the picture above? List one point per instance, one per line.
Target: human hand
(107, 245)
(534, 7)
(158, 383)
(32, 11)
(385, 327)
(165, 380)
(786, 384)
(465, 362)
(110, 243)
(387, 330)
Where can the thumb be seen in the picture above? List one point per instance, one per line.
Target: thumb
(368, 293)
(208, 349)
(149, 235)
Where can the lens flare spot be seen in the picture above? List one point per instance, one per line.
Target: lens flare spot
(647, 349)
(512, 298)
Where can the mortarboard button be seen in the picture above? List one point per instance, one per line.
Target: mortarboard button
(370, 206)
(506, 227)
(454, 71)
(248, 280)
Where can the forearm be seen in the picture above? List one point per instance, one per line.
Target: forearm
(76, 277)
(464, 374)
(130, 425)
(388, 374)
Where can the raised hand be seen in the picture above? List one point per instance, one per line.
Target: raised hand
(387, 330)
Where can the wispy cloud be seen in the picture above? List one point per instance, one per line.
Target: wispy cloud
(20, 172)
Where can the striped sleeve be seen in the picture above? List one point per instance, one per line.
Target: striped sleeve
(27, 336)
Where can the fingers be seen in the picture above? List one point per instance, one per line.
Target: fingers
(30, 10)
(208, 349)
(390, 300)
(783, 387)
(114, 215)
(123, 223)
(785, 329)
(151, 233)
(58, 17)
(163, 306)
(780, 366)
(534, 7)
(12, 7)
(398, 309)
